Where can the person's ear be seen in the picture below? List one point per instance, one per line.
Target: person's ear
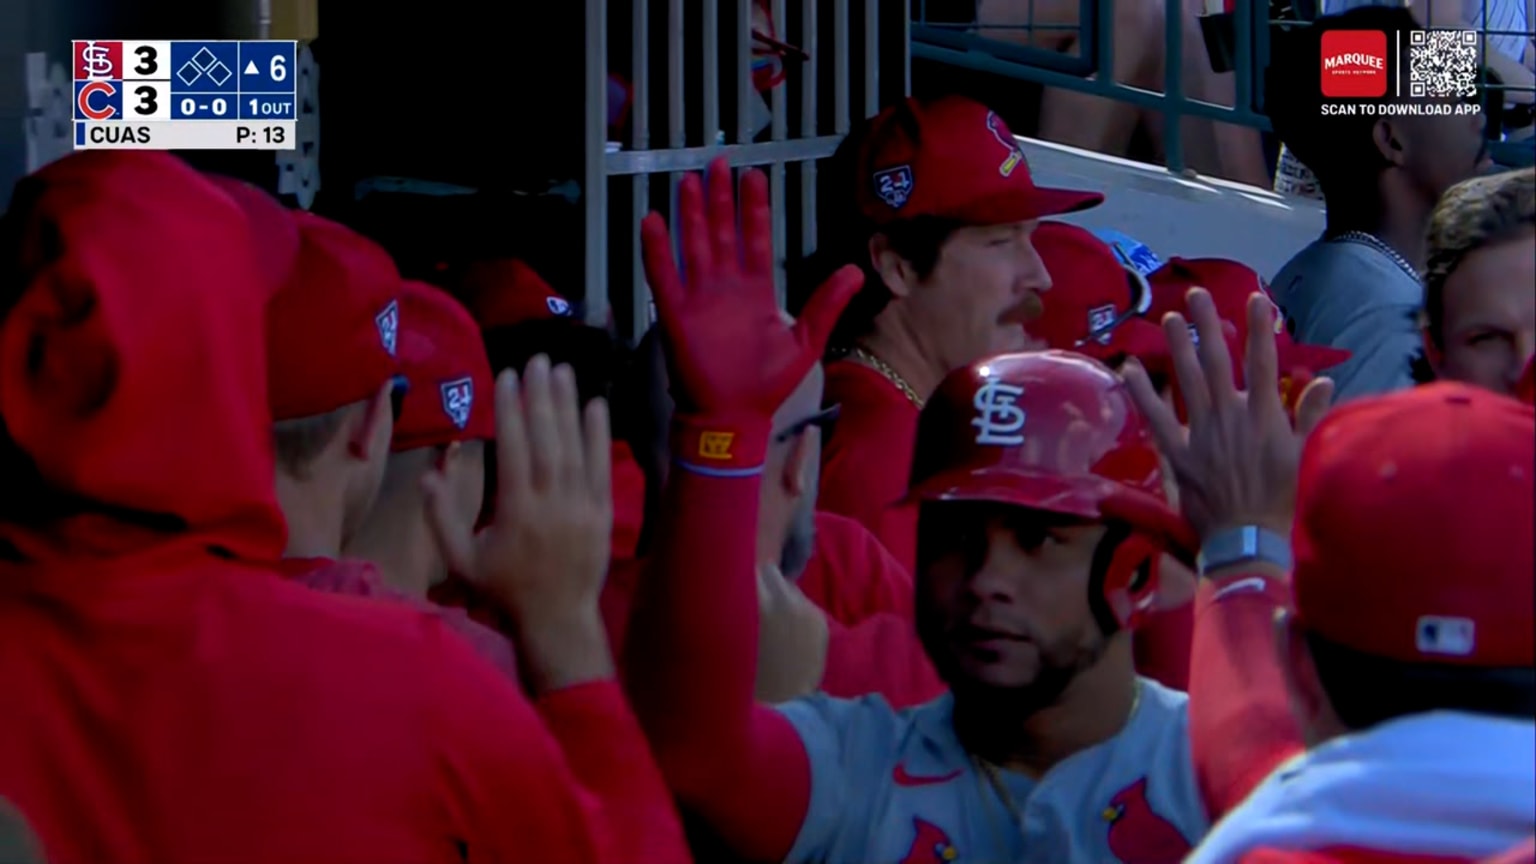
(447, 457)
(895, 271)
(1432, 353)
(1389, 141)
(798, 466)
(374, 424)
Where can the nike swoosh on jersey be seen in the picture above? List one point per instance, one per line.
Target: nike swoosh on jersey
(902, 778)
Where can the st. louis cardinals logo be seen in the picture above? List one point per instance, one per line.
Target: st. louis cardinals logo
(458, 400)
(1005, 138)
(388, 322)
(931, 845)
(999, 419)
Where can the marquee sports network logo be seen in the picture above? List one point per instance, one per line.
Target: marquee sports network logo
(1354, 64)
(1358, 76)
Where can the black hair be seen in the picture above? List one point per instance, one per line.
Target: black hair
(1340, 150)
(589, 351)
(843, 235)
(1366, 690)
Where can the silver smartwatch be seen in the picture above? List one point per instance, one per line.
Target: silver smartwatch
(1244, 545)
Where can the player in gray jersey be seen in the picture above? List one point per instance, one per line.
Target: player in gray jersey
(1043, 523)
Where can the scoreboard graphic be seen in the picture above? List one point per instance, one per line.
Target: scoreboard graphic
(205, 95)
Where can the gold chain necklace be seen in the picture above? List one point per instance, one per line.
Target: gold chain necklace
(993, 776)
(888, 374)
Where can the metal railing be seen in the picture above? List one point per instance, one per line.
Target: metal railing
(664, 141)
(650, 153)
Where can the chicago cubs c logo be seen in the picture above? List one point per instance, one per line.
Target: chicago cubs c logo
(84, 102)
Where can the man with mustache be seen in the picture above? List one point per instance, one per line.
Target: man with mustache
(937, 206)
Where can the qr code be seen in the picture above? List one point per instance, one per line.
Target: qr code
(1442, 64)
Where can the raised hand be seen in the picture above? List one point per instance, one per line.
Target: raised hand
(733, 357)
(1236, 464)
(544, 557)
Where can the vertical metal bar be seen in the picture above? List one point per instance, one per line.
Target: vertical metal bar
(906, 47)
(871, 57)
(809, 123)
(776, 178)
(677, 128)
(640, 139)
(595, 173)
(840, 87)
(745, 94)
(709, 22)
(1173, 82)
(1104, 41)
(1242, 95)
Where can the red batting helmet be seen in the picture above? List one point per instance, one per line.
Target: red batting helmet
(1056, 431)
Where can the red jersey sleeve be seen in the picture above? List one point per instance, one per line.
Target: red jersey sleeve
(691, 668)
(867, 460)
(1240, 721)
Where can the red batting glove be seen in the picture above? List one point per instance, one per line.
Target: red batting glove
(733, 359)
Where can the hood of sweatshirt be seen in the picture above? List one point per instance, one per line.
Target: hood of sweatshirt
(132, 365)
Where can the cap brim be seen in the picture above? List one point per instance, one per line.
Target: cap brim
(1004, 485)
(1021, 204)
(1087, 498)
(1138, 338)
(1314, 358)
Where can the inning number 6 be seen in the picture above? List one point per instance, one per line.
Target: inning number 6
(278, 71)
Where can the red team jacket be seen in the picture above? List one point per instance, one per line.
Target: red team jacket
(170, 697)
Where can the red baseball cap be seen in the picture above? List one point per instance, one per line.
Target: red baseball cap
(332, 330)
(1413, 535)
(1096, 302)
(507, 291)
(441, 355)
(952, 158)
(273, 231)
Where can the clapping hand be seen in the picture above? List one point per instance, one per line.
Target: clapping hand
(734, 359)
(1237, 463)
(544, 556)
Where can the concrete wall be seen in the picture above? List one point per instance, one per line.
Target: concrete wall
(1173, 215)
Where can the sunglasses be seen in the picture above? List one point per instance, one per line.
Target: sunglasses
(398, 387)
(820, 420)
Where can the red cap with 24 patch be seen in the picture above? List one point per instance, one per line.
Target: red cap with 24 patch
(331, 331)
(1413, 535)
(952, 158)
(1096, 302)
(451, 389)
(507, 291)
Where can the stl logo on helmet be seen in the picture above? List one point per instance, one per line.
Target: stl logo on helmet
(1005, 138)
(999, 419)
(716, 445)
(458, 399)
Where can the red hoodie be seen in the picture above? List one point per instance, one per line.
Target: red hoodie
(169, 697)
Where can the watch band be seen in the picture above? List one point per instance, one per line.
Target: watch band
(1243, 545)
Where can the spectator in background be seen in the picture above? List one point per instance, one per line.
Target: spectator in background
(1479, 321)
(1509, 56)
(1357, 287)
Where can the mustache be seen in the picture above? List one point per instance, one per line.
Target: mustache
(1026, 310)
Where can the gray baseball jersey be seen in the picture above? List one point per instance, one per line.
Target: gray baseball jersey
(892, 787)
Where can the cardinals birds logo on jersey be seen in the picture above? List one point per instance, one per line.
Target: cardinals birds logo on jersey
(1139, 836)
(931, 846)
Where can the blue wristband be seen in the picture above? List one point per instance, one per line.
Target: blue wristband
(1245, 544)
